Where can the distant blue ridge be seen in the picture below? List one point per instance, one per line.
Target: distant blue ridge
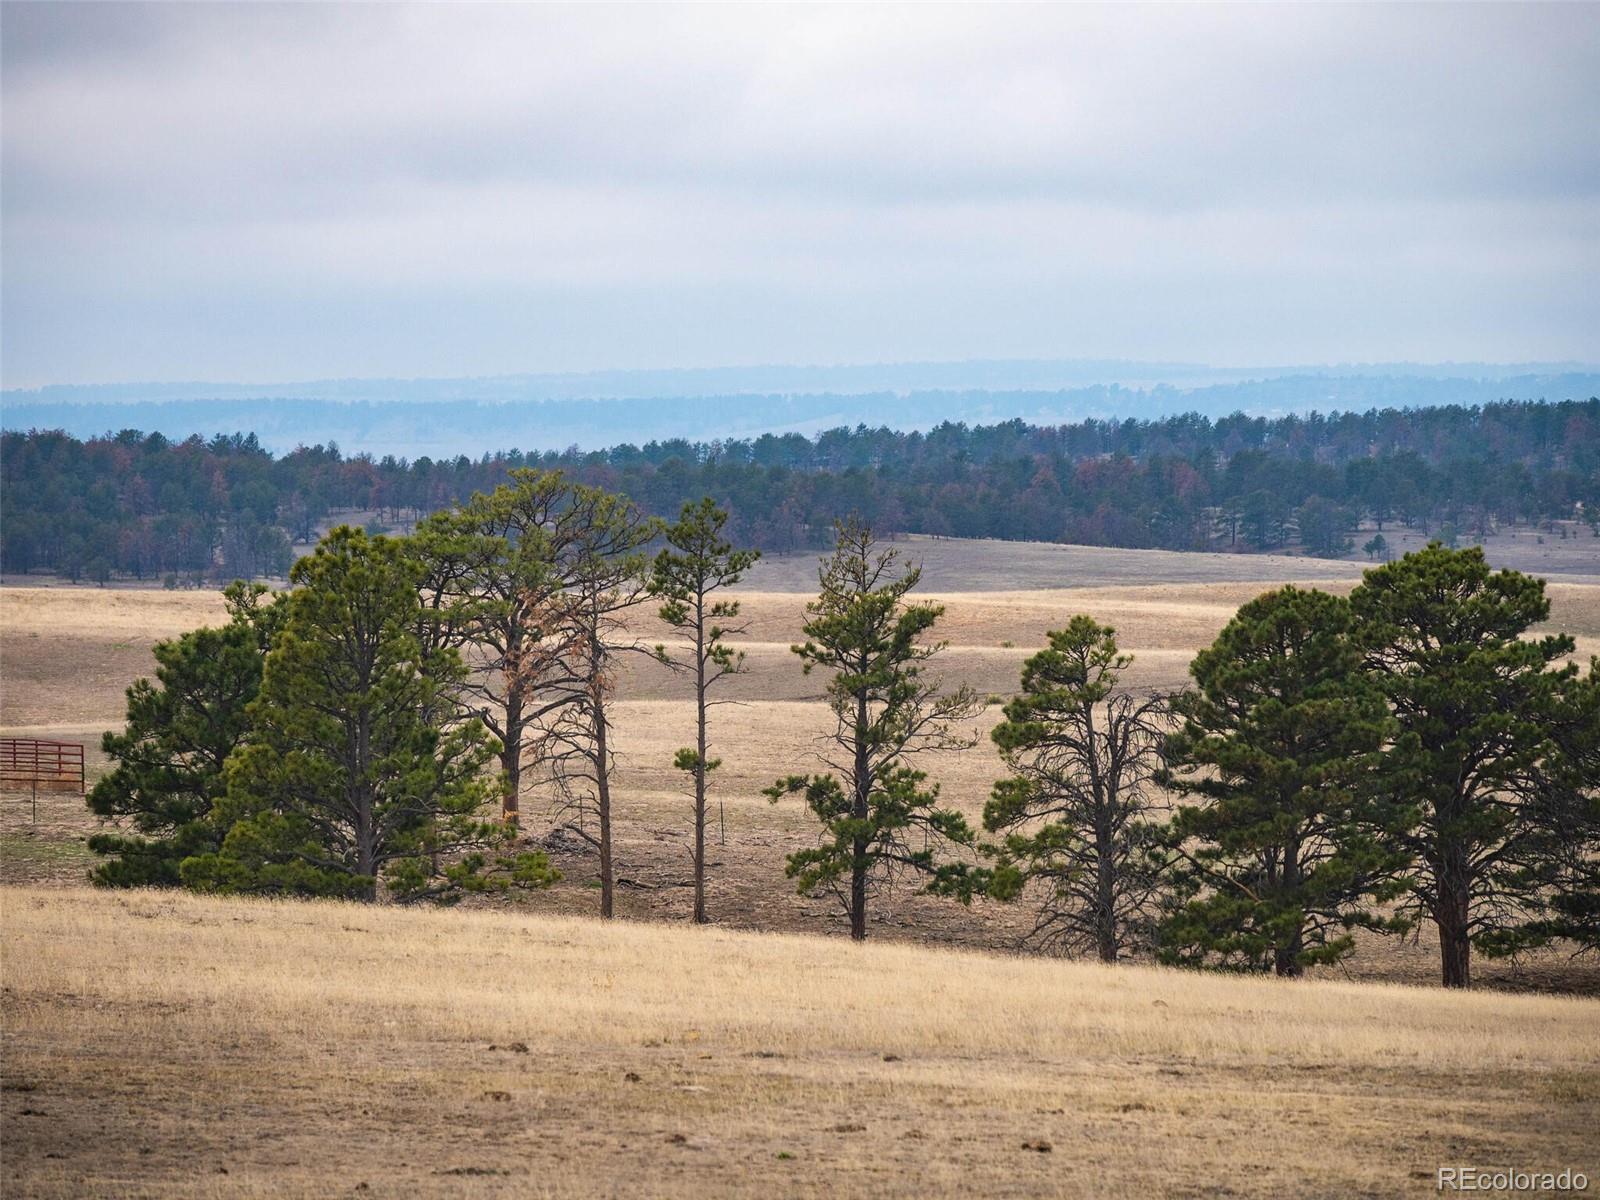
(538, 412)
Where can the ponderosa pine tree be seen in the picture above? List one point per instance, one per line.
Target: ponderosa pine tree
(491, 566)
(1075, 810)
(697, 563)
(1293, 845)
(355, 770)
(1573, 910)
(182, 726)
(1478, 750)
(874, 806)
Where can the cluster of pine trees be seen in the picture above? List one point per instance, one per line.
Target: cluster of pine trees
(1408, 753)
(335, 739)
(142, 506)
(1404, 754)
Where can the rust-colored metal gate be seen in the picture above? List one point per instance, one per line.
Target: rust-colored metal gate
(35, 763)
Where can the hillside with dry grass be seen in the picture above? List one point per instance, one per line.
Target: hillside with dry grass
(167, 1045)
(67, 653)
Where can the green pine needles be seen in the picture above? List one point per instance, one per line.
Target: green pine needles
(356, 770)
(1077, 812)
(1293, 843)
(182, 727)
(695, 565)
(880, 817)
(1484, 747)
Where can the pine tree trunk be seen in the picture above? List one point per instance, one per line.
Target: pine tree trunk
(1451, 914)
(366, 855)
(1105, 883)
(700, 767)
(603, 800)
(858, 809)
(1286, 962)
(1105, 916)
(366, 835)
(858, 892)
(511, 757)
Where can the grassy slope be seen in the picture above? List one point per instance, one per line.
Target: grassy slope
(67, 653)
(155, 1042)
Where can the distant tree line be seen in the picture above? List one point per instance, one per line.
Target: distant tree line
(140, 506)
(1407, 753)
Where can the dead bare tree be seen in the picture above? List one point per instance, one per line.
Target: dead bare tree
(567, 677)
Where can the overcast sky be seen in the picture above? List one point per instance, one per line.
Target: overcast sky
(264, 193)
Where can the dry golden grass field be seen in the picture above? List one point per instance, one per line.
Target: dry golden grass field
(166, 1045)
(155, 1042)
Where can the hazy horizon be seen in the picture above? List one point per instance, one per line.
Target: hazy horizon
(830, 378)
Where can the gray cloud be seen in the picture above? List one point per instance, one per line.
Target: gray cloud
(261, 191)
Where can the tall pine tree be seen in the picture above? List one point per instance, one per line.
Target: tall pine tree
(1291, 845)
(1076, 808)
(1572, 812)
(1480, 709)
(874, 807)
(491, 565)
(697, 563)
